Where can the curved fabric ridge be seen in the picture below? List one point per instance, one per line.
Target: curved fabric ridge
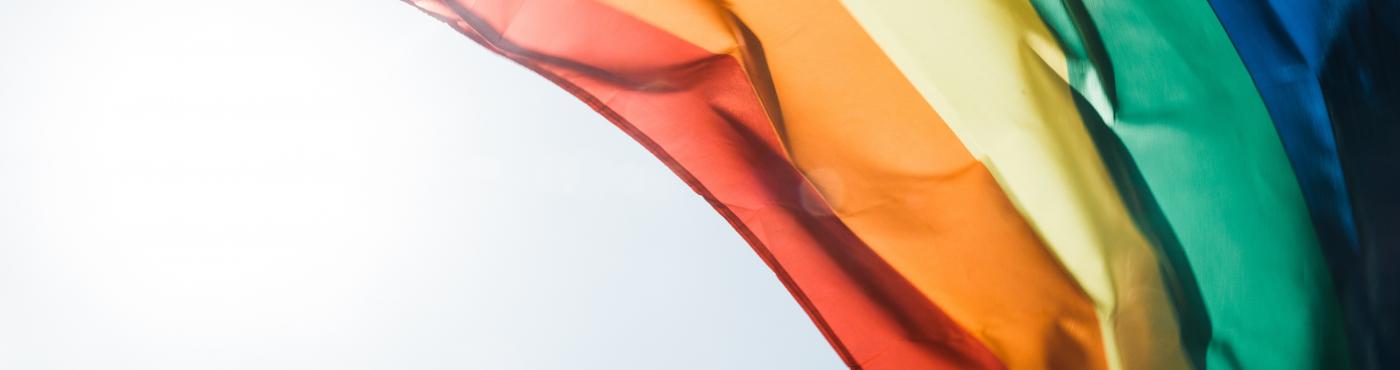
(1285, 68)
(1288, 46)
(699, 113)
(994, 72)
(1167, 83)
(897, 175)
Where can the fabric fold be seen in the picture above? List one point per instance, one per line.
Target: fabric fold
(894, 172)
(698, 111)
(1205, 162)
(998, 77)
(1315, 62)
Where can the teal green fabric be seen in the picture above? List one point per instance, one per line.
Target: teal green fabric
(1202, 166)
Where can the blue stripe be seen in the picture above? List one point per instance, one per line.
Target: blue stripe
(1333, 67)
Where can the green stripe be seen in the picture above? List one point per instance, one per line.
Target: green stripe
(1198, 155)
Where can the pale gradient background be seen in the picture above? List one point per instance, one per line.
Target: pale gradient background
(321, 184)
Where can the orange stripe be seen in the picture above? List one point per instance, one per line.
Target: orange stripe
(699, 113)
(896, 174)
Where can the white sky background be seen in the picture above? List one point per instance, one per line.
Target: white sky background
(333, 184)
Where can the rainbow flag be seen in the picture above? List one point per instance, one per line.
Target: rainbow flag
(1022, 184)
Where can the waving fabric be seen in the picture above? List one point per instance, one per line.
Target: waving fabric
(1022, 184)
(1305, 55)
(1178, 97)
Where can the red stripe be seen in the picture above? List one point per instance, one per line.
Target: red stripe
(697, 112)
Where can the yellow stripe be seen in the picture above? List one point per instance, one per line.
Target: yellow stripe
(897, 175)
(996, 75)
